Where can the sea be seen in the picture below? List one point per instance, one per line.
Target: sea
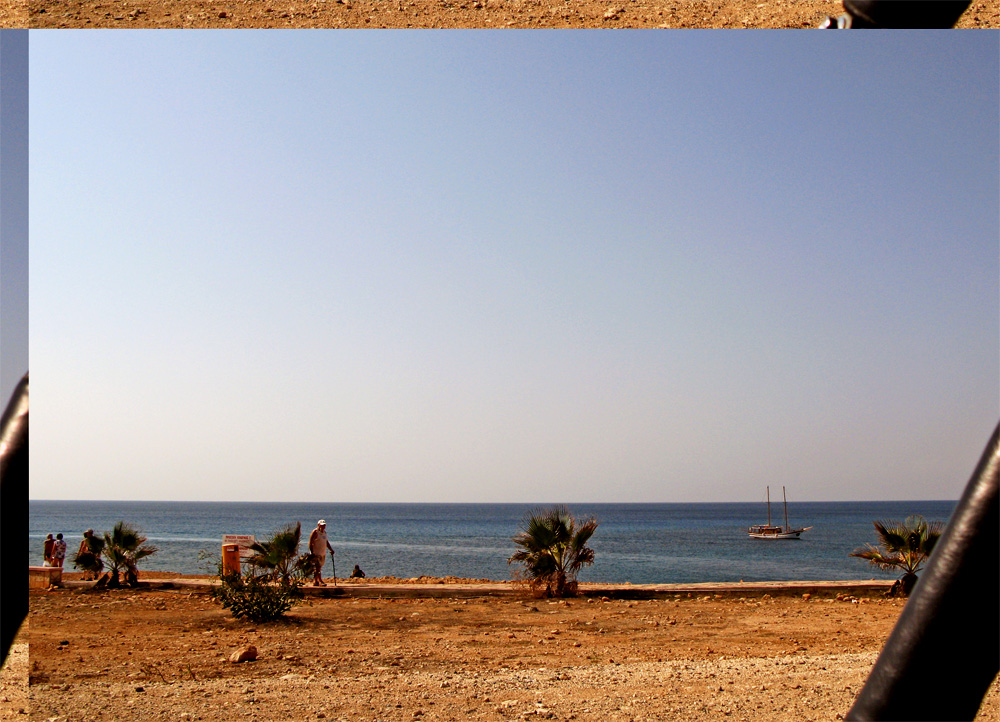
(634, 543)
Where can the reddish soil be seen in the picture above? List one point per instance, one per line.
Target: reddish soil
(163, 654)
(440, 13)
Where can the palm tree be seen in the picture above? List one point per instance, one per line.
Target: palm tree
(553, 549)
(88, 556)
(903, 545)
(279, 555)
(124, 546)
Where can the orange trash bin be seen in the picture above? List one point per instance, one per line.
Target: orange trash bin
(230, 558)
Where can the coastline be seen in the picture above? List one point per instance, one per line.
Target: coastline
(684, 542)
(454, 587)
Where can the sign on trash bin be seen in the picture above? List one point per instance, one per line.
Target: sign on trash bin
(235, 550)
(243, 541)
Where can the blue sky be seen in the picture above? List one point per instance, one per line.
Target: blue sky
(496, 266)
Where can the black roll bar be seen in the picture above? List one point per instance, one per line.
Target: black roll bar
(862, 14)
(944, 651)
(14, 505)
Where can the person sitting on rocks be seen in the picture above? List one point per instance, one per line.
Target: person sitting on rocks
(357, 573)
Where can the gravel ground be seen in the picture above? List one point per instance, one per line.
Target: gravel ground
(442, 13)
(164, 655)
(14, 680)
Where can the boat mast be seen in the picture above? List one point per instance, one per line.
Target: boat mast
(769, 506)
(786, 505)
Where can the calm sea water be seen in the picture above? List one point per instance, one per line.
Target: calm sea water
(638, 543)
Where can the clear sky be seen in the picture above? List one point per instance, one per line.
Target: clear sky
(513, 266)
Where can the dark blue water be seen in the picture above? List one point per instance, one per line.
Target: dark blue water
(638, 543)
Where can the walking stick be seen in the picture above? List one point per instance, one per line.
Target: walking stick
(333, 561)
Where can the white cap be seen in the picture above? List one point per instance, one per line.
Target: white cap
(321, 523)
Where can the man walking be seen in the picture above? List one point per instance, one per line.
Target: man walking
(318, 545)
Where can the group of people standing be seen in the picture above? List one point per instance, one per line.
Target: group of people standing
(88, 556)
(54, 551)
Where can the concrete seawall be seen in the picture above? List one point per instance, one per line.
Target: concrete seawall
(867, 588)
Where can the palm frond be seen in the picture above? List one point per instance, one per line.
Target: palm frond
(143, 552)
(123, 547)
(893, 535)
(584, 532)
(904, 545)
(878, 558)
(278, 554)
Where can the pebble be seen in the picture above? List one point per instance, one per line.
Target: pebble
(244, 654)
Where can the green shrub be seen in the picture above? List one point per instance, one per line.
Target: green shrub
(258, 598)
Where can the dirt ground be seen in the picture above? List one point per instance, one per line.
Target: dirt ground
(149, 655)
(14, 680)
(440, 13)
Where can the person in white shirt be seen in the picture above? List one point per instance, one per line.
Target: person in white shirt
(318, 545)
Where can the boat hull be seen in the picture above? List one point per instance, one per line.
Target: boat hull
(763, 532)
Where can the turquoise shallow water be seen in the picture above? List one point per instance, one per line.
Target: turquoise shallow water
(638, 543)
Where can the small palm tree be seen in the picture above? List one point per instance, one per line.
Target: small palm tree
(124, 547)
(903, 545)
(88, 556)
(279, 555)
(553, 550)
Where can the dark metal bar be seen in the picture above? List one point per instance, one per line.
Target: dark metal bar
(905, 14)
(14, 505)
(943, 654)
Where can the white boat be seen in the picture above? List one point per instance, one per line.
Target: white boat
(767, 531)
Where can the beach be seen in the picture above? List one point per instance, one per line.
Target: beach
(162, 653)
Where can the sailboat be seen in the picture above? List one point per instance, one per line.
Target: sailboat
(766, 531)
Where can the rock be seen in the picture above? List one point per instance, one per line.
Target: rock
(244, 654)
